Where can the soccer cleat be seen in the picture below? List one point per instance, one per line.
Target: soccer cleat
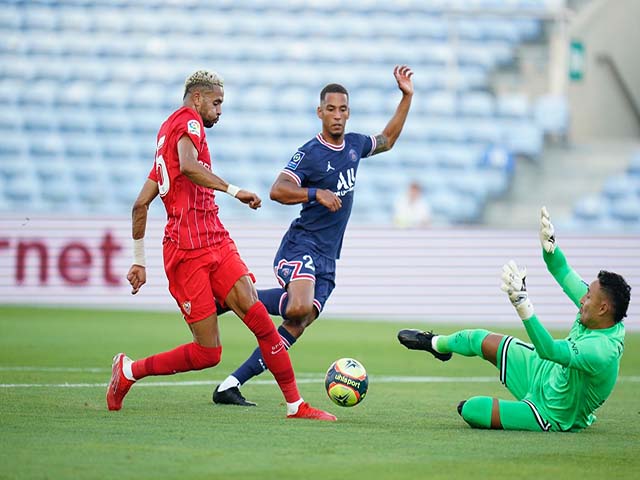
(419, 340)
(460, 405)
(307, 411)
(231, 396)
(119, 385)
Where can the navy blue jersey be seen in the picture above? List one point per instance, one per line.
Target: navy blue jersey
(318, 164)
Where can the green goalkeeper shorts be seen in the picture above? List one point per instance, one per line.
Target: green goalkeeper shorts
(518, 363)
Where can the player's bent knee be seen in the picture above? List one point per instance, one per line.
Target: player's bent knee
(477, 412)
(299, 312)
(205, 357)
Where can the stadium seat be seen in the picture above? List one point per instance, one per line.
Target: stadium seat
(100, 77)
(513, 106)
(551, 114)
(523, 138)
(633, 168)
(626, 210)
(476, 104)
(620, 186)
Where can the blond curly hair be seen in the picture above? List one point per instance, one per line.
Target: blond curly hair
(202, 79)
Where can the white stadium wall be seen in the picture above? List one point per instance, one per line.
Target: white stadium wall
(439, 275)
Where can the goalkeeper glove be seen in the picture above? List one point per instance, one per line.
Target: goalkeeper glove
(547, 233)
(513, 284)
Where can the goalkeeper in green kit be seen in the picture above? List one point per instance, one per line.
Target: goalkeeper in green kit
(558, 384)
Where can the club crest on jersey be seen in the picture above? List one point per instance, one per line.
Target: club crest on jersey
(352, 155)
(193, 127)
(295, 160)
(186, 306)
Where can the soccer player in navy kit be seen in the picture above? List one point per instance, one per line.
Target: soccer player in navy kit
(321, 176)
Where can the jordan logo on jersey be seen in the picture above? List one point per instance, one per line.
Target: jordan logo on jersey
(329, 167)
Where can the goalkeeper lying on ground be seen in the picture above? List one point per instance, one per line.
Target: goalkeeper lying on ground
(558, 384)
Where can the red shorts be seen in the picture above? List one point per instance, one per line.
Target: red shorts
(198, 277)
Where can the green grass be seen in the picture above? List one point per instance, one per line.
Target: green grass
(401, 430)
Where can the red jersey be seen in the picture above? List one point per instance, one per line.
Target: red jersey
(192, 214)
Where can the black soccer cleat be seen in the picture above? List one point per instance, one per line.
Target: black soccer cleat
(231, 396)
(460, 405)
(419, 340)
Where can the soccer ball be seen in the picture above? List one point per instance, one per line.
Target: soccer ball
(346, 382)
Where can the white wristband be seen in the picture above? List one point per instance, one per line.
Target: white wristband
(233, 190)
(138, 252)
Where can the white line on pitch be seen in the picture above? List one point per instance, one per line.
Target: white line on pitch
(373, 379)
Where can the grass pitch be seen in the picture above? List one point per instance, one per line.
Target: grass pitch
(55, 363)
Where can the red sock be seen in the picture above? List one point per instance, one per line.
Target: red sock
(187, 357)
(274, 353)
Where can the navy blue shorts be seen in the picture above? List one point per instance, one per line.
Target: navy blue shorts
(298, 262)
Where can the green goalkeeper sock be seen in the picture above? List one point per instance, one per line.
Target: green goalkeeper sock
(463, 342)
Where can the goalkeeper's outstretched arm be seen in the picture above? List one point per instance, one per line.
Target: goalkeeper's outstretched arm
(571, 283)
(514, 285)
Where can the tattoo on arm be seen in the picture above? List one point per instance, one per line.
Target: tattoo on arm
(382, 143)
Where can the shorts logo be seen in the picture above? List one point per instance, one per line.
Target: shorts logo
(193, 127)
(295, 160)
(285, 272)
(186, 306)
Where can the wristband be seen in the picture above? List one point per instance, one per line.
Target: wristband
(138, 252)
(233, 189)
(311, 194)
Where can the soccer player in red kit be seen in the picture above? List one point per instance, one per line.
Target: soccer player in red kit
(200, 258)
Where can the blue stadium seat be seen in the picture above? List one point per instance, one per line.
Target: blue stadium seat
(634, 165)
(523, 138)
(13, 155)
(476, 104)
(101, 77)
(551, 114)
(441, 103)
(513, 106)
(626, 210)
(11, 121)
(620, 186)
(590, 209)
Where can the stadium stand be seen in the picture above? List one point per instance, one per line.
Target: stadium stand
(85, 85)
(617, 206)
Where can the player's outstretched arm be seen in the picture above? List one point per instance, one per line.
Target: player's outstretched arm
(200, 175)
(388, 137)
(556, 262)
(514, 285)
(284, 190)
(137, 274)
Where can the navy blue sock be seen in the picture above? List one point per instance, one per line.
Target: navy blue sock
(254, 365)
(271, 299)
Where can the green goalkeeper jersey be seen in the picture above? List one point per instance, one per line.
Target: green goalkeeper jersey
(575, 375)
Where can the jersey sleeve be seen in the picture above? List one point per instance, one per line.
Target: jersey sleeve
(153, 174)
(368, 145)
(572, 284)
(189, 124)
(299, 167)
(547, 347)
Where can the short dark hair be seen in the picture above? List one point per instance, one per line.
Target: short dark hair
(618, 291)
(333, 88)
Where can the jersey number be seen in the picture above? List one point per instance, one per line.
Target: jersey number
(309, 262)
(163, 176)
